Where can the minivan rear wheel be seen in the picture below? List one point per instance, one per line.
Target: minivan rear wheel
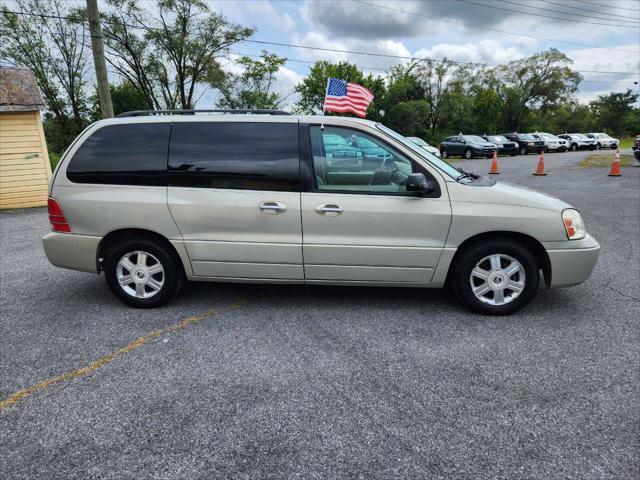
(495, 278)
(142, 273)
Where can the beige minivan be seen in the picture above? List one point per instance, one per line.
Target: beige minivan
(156, 198)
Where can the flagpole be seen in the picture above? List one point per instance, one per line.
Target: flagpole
(326, 92)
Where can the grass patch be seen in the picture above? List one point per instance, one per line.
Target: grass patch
(604, 160)
(627, 142)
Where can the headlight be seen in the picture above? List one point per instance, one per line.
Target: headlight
(573, 224)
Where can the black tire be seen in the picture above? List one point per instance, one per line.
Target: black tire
(172, 275)
(468, 154)
(513, 154)
(444, 154)
(461, 283)
(598, 147)
(574, 147)
(546, 149)
(523, 150)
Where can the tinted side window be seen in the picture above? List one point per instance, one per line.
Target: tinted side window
(131, 154)
(244, 156)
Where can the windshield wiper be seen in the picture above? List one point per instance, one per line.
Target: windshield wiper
(465, 174)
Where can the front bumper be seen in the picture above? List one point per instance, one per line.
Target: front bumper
(572, 261)
(75, 252)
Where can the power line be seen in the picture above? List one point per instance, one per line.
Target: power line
(540, 15)
(457, 22)
(335, 50)
(362, 67)
(568, 13)
(582, 9)
(609, 6)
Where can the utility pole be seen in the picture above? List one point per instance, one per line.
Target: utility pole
(95, 29)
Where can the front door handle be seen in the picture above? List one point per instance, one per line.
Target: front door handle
(273, 208)
(329, 210)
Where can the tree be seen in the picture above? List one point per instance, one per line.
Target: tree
(167, 56)
(53, 48)
(125, 97)
(253, 87)
(543, 80)
(313, 88)
(615, 113)
(403, 102)
(434, 78)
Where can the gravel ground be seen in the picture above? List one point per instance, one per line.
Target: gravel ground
(326, 382)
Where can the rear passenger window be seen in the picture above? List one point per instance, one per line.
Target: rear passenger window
(131, 154)
(243, 156)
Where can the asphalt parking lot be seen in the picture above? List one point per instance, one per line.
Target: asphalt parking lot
(323, 382)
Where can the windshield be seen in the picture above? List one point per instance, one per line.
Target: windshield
(474, 139)
(435, 161)
(601, 135)
(526, 136)
(578, 135)
(498, 138)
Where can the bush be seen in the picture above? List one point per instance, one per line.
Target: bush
(54, 158)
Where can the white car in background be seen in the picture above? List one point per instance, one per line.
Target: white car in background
(551, 142)
(421, 143)
(578, 141)
(604, 141)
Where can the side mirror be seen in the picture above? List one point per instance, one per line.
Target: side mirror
(417, 182)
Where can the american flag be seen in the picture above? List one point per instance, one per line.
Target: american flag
(342, 96)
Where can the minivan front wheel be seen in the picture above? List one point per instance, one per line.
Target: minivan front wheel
(142, 273)
(496, 278)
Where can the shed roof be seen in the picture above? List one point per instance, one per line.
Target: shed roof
(19, 91)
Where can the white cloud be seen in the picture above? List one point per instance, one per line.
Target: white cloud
(485, 51)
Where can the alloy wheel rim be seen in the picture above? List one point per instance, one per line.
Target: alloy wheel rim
(140, 274)
(497, 279)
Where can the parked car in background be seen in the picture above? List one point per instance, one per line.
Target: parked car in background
(467, 146)
(551, 142)
(153, 200)
(505, 146)
(526, 142)
(603, 140)
(579, 141)
(636, 148)
(421, 143)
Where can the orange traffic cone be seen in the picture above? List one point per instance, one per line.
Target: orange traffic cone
(540, 169)
(494, 165)
(615, 165)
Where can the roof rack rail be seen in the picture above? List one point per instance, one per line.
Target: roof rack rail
(142, 113)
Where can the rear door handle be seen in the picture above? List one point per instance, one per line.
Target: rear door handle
(329, 210)
(273, 208)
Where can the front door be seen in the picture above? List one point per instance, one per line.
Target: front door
(359, 222)
(234, 195)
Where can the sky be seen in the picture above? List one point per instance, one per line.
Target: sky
(598, 35)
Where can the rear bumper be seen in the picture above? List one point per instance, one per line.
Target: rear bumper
(75, 252)
(572, 261)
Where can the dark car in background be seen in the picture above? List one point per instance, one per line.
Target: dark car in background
(466, 146)
(505, 146)
(526, 142)
(636, 148)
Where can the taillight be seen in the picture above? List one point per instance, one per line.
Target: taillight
(56, 217)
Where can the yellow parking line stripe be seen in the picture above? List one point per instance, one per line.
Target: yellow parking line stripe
(102, 361)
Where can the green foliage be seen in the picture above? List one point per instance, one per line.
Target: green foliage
(615, 113)
(125, 97)
(54, 158)
(168, 56)
(253, 87)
